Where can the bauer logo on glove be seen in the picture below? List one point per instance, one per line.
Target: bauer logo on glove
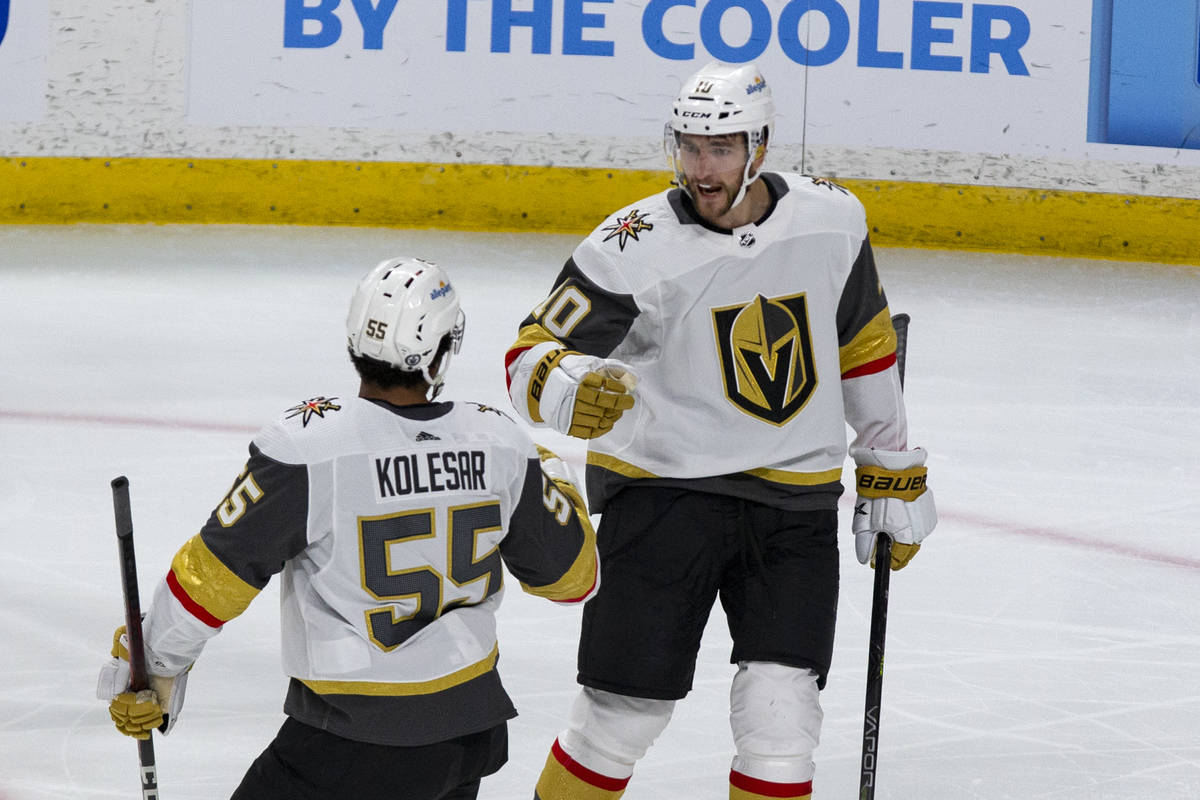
(877, 483)
(580, 395)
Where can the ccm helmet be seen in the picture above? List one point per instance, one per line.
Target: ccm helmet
(722, 99)
(401, 312)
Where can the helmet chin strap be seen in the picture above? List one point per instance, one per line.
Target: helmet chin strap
(436, 380)
(746, 181)
(753, 151)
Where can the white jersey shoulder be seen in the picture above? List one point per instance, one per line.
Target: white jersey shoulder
(654, 240)
(324, 427)
(635, 233)
(824, 204)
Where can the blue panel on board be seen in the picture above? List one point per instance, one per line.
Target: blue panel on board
(1145, 73)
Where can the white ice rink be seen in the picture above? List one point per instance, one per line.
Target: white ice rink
(1045, 644)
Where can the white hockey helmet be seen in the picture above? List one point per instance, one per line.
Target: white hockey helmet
(401, 311)
(722, 99)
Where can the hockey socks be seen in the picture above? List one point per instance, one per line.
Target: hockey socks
(564, 778)
(743, 787)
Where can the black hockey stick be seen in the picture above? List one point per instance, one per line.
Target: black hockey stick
(138, 678)
(879, 609)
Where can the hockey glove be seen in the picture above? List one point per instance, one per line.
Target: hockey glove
(136, 714)
(892, 499)
(581, 396)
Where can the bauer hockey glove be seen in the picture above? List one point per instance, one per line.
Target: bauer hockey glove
(892, 499)
(137, 713)
(581, 396)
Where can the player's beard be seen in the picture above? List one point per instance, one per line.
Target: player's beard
(715, 204)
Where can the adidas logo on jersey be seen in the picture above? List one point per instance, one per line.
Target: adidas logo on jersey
(425, 436)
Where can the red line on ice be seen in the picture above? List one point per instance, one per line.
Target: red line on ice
(112, 419)
(1063, 537)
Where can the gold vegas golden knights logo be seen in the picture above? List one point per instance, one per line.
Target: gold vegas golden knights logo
(766, 356)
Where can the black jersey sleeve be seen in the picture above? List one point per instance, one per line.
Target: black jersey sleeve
(580, 315)
(866, 339)
(259, 524)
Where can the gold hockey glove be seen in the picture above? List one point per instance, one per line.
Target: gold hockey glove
(580, 395)
(599, 402)
(137, 713)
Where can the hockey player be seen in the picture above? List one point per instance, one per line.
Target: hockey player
(712, 341)
(391, 517)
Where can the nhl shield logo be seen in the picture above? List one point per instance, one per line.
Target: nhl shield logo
(765, 349)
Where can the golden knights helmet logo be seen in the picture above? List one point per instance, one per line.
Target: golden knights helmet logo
(765, 349)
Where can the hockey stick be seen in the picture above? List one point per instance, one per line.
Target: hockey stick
(138, 679)
(879, 608)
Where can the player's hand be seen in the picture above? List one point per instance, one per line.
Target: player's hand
(579, 395)
(136, 714)
(893, 498)
(556, 468)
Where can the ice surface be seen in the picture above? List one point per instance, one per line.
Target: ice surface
(1045, 643)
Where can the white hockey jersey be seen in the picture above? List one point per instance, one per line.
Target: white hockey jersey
(392, 527)
(743, 343)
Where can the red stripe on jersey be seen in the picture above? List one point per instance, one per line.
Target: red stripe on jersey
(768, 788)
(871, 367)
(583, 596)
(509, 358)
(195, 609)
(586, 775)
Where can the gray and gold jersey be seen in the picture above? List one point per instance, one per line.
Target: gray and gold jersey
(392, 527)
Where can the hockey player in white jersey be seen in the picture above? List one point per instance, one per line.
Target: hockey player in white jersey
(391, 517)
(712, 341)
